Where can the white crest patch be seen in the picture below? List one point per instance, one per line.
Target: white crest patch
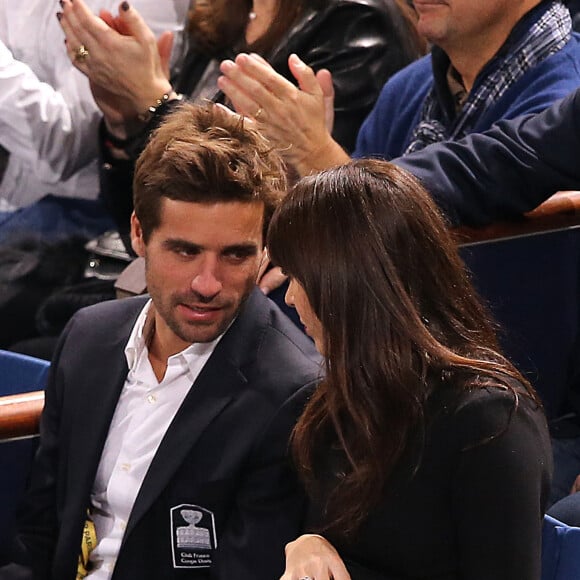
(193, 536)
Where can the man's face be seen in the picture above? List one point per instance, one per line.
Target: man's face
(201, 265)
(450, 23)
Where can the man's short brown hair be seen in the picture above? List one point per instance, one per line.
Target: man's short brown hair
(204, 154)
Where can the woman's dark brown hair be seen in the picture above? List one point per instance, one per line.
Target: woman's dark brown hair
(399, 316)
(219, 25)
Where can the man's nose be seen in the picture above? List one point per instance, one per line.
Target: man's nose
(207, 281)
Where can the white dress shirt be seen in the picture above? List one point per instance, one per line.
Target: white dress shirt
(143, 414)
(48, 118)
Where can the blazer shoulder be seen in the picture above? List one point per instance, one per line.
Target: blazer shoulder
(120, 309)
(104, 322)
(270, 350)
(285, 354)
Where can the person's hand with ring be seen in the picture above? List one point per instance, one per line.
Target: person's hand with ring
(298, 120)
(127, 67)
(81, 53)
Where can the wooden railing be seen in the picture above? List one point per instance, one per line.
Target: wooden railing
(20, 415)
(560, 211)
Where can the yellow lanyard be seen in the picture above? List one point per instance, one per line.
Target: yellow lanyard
(88, 543)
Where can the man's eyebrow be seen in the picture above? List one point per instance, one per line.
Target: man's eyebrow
(179, 244)
(248, 248)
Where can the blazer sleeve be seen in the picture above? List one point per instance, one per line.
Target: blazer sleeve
(505, 171)
(270, 506)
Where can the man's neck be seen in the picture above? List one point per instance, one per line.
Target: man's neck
(469, 64)
(470, 55)
(158, 362)
(159, 349)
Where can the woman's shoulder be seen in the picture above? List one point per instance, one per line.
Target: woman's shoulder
(472, 415)
(386, 11)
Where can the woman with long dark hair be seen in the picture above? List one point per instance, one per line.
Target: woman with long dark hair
(425, 452)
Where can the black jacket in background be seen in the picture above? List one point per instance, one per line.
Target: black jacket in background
(361, 42)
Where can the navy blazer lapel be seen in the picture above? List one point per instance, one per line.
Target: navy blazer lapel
(95, 400)
(221, 380)
(209, 395)
(95, 412)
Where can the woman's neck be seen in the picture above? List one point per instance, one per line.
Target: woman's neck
(260, 18)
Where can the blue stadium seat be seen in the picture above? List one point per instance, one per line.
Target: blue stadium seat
(532, 284)
(560, 551)
(18, 374)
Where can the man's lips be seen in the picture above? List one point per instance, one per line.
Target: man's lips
(202, 307)
(200, 312)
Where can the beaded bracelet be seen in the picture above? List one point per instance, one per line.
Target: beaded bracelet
(134, 144)
(154, 109)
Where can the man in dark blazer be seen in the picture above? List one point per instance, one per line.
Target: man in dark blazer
(206, 490)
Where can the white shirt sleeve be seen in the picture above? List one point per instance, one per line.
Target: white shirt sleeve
(48, 118)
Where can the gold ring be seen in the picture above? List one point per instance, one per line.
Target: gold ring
(258, 113)
(81, 52)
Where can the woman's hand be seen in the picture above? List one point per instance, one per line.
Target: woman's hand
(126, 65)
(314, 558)
(298, 120)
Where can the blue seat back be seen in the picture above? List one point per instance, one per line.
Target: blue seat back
(560, 551)
(18, 374)
(532, 284)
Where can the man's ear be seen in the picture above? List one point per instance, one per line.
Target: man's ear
(137, 240)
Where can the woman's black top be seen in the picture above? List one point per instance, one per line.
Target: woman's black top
(473, 508)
